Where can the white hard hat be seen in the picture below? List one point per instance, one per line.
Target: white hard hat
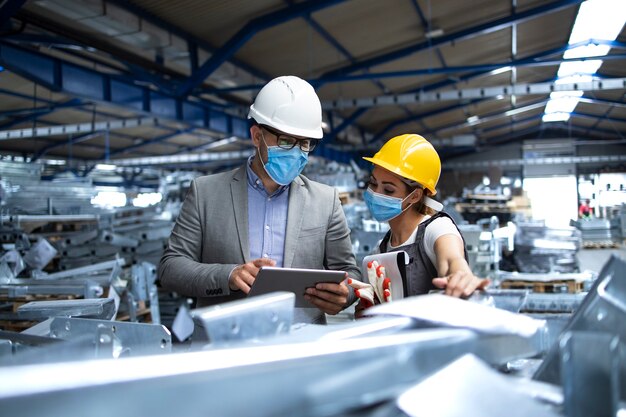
(289, 104)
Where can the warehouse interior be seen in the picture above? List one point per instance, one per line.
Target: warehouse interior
(109, 110)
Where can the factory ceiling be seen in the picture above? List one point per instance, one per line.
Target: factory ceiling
(165, 82)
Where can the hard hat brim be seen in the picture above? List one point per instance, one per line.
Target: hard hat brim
(389, 167)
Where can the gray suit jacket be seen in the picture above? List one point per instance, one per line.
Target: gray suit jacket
(210, 237)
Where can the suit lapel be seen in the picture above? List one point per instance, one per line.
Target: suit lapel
(239, 196)
(298, 197)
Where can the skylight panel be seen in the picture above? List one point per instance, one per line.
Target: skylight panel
(596, 20)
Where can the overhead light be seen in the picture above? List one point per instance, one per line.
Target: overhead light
(612, 15)
(555, 117)
(434, 33)
(473, 119)
(562, 104)
(105, 167)
(499, 70)
(219, 143)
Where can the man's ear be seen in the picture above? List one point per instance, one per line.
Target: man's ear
(255, 134)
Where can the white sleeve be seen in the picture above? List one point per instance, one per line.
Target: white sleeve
(437, 228)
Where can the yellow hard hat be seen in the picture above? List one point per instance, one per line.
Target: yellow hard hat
(412, 157)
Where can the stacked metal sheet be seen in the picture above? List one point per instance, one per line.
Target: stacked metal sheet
(598, 232)
(23, 192)
(542, 249)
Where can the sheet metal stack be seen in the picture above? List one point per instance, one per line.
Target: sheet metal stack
(540, 249)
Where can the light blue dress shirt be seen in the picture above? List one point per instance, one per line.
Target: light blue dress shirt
(267, 219)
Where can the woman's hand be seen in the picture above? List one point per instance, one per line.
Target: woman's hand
(461, 284)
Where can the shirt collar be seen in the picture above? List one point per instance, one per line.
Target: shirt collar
(255, 182)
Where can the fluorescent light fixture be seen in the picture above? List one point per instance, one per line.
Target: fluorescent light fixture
(499, 70)
(555, 117)
(435, 33)
(218, 143)
(596, 20)
(473, 119)
(105, 167)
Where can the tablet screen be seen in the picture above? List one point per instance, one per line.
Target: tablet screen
(295, 280)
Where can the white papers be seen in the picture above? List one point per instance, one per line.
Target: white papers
(446, 311)
(392, 261)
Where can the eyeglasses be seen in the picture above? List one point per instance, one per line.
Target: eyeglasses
(288, 142)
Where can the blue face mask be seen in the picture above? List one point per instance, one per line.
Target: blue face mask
(282, 165)
(382, 207)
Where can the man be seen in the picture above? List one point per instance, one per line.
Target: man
(264, 213)
(584, 211)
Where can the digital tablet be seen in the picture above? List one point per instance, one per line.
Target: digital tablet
(295, 280)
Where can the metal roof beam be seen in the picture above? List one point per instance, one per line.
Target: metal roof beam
(74, 80)
(8, 9)
(38, 132)
(182, 159)
(244, 34)
(192, 41)
(36, 112)
(537, 59)
(544, 127)
(158, 139)
(344, 124)
(469, 33)
(72, 141)
(519, 63)
(400, 122)
(473, 93)
(557, 160)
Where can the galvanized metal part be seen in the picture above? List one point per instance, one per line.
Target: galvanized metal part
(134, 338)
(311, 379)
(98, 308)
(603, 310)
(475, 389)
(590, 363)
(246, 320)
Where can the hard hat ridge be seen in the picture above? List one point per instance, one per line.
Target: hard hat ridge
(290, 105)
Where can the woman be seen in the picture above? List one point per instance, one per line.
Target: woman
(405, 174)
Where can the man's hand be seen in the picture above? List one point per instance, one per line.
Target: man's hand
(242, 277)
(461, 284)
(328, 297)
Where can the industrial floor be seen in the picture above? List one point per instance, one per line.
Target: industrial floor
(594, 259)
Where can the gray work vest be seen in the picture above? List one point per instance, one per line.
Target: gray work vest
(420, 271)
